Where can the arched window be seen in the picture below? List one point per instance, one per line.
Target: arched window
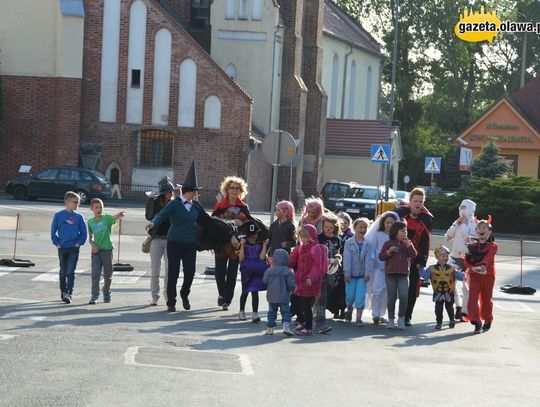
(369, 79)
(156, 147)
(243, 10)
(162, 77)
(230, 70)
(334, 88)
(230, 10)
(352, 90)
(212, 112)
(136, 60)
(187, 93)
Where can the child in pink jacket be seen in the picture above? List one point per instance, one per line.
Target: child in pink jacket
(307, 261)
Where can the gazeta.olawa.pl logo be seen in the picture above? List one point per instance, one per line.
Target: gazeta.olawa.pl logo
(484, 26)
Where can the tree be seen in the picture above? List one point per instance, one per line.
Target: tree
(489, 164)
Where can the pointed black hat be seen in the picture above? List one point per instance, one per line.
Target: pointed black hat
(190, 184)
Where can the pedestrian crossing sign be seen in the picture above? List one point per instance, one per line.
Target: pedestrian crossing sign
(380, 153)
(432, 165)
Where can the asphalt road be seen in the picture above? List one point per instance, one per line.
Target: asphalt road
(128, 353)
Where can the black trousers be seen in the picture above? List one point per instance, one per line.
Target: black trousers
(411, 298)
(254, 301)
(187, 254)
(225, 274)
(439, 310)
(303, 310)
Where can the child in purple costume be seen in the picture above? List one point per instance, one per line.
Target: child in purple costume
(252, 267)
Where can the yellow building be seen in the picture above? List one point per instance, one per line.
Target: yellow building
(514, 123)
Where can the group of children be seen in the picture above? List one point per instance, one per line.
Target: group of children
(321, 264)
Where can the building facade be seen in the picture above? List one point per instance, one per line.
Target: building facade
(134, 94)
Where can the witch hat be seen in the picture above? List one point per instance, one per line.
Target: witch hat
(190, 184)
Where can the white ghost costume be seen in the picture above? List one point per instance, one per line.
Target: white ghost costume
(376, 295)
(459, 235)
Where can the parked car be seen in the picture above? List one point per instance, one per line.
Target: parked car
(361, 200)
(54, 182)
(402, 197)
(333, 190)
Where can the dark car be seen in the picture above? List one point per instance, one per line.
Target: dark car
(361, 200)
(54, 182)
(334, 190)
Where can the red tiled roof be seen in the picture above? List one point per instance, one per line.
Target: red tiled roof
(527, 100)
(354, 137)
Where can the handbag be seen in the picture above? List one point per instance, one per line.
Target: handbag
(146, 244)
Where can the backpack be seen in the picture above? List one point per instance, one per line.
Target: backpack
(324, 259)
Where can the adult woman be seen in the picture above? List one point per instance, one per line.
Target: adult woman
(158, 246)
(419, 221)
(231, 207)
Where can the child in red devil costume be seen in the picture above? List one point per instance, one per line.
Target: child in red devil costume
(480, 263)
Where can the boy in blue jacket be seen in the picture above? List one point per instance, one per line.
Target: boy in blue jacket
(68, 234)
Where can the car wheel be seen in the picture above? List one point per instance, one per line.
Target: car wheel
(83, 195)
(20, 193)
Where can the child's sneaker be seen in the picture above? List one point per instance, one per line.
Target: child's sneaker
(477, 327)
(390, 324)
(255, 318)
(93, 301)
(287, 330)
(242, 316)
(348, 315)
(452, 324)
(298, 327)
(323, 328)
(401, 323)
(106, 296)
(359, 323)
(67, 298)
(438, 326)
(376, 320)
(269, 331)
(155, 300)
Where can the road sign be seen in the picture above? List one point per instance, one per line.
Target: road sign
(432, 165)
(406, 179)
(380, 153)
(279, 147)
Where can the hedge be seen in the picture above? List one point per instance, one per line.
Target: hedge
(513, 203)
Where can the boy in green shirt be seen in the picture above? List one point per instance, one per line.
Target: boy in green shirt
(99, 235)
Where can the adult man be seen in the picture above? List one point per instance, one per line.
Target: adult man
(433, 189)
(184, 213)
(419, 221)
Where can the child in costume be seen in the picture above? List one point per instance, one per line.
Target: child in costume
(480, 263)
(330, 238)
(281, 234)
(397, 253)
(312, 213)
(378, 235)
(253, 264)
(443, 280)
(336, 299)
(358, 259)
(309, 261)
(280, 284)
(458, 233)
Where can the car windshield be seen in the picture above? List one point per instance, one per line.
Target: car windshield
(338, 189)
(401, 194)
(363, 193)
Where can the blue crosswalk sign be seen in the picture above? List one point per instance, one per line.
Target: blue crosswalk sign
(432, 165)
(380, 153)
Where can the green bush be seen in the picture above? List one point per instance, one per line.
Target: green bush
(513, 203)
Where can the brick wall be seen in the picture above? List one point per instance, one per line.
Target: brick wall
(41, 123)
(216, 153)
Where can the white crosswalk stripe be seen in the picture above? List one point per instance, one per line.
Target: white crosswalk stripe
(5, 270)
(52, 275)
(127, 277)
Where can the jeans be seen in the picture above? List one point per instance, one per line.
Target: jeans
(397, 286)
(413, 289)
(187, 254)
(285, 310)
(103, 258)
(355, 292)
(68, 262)
(439, 310)
(158, 251)
(226, 272)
